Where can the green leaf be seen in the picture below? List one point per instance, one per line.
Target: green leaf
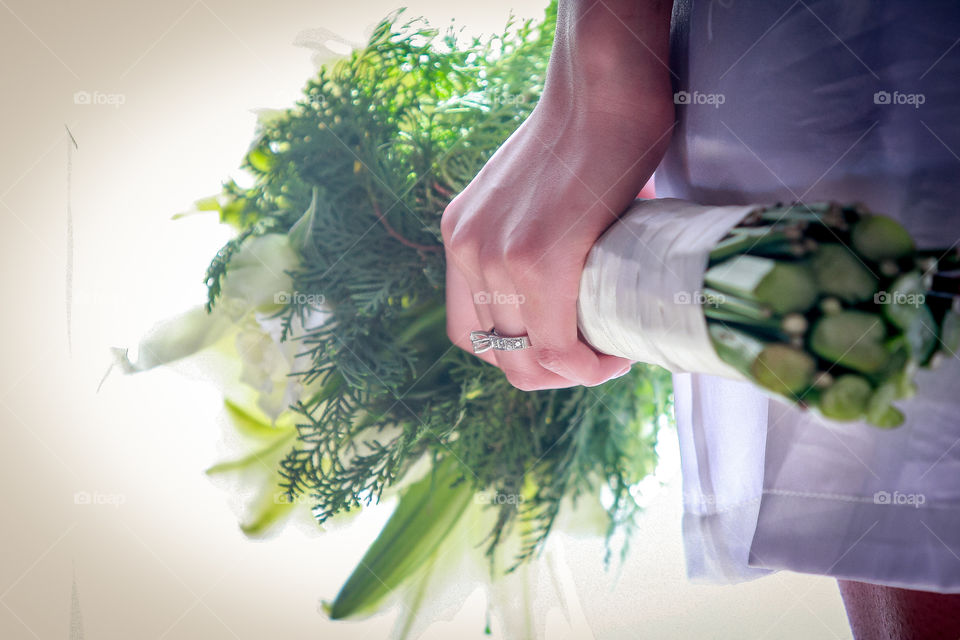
(905, 307)
(271, 504)
(302, 232)
(261, 159)
(951, 333)
(840, 273)
(783, 286)
(853, 339)
(208, 204)
(879, 238)
(784, 369)
(846, 399)
(268, 512)
(425, 514)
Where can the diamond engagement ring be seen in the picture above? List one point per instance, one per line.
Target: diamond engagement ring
(486, 340)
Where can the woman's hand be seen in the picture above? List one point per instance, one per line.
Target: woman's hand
(517, 237)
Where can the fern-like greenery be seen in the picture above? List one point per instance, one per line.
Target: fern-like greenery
(359, 172)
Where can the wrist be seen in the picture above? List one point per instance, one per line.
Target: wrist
(611, 57)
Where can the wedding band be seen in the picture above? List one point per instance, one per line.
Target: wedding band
(486, 340)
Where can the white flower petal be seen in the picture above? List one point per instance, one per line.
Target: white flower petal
(176, 338)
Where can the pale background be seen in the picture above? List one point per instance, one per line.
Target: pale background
(169, 562)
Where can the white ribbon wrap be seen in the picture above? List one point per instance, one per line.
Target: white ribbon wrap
(641, 290)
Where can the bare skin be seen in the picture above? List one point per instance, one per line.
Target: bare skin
(517, 237)
(888, 613)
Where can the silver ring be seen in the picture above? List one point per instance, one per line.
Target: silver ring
(486, 340)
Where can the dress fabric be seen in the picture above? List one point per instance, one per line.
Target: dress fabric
(786, 100)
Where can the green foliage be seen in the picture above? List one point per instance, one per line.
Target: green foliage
(428, 511)
(359, 172)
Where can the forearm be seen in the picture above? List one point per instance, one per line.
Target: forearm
(611, 55)
(526, 223)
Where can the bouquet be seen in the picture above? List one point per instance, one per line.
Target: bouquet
(828, 306)
(329, 305)
(330, 302)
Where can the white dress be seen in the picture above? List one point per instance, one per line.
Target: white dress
(848, 101)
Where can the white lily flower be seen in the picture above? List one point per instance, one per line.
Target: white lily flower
(242, 351)
(257, 284)
(257, 278)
